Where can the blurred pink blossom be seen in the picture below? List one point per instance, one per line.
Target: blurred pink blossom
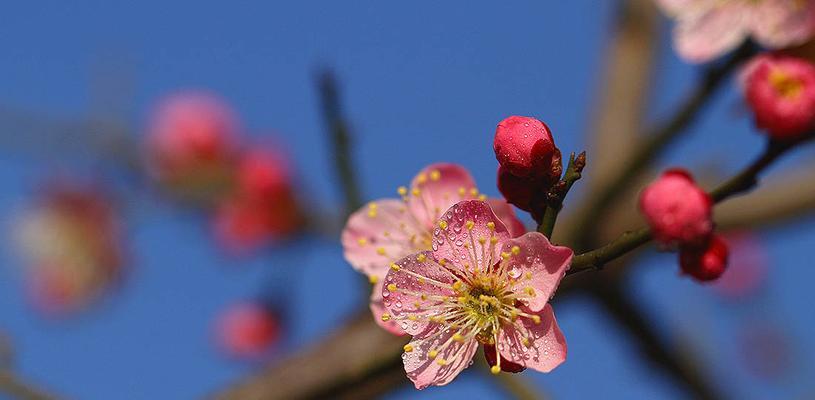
(247, 330)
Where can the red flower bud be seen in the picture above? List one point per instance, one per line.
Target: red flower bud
(524, 146)
(781, 92)
(677, 210)
(517, 190)
(247, 330)
(707, 262)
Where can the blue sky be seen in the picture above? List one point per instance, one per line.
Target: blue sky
(423, 82)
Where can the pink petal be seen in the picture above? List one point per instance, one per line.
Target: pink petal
(378, 308)
(783, 23)
(704, 36)
(436, 188)
(464, 233)
(506, 214)
(375, 237)
(539, 265)
(682, 7)
(414, 277)
(424, 371)
(547, 346)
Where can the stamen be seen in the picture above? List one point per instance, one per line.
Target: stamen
(408, 348)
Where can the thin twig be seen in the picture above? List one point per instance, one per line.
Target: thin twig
(653, 142)
(572, 175)
(746, 180)
(338, 133)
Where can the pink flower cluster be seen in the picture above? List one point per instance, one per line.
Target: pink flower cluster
(706, 29)
(681, 214)
(194, 149)
(72, 241)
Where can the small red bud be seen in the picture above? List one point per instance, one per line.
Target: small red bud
(524, 146)
(677, 210)
(707, 262)
(517, 191)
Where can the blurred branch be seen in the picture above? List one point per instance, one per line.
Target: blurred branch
(12, 386)
(653, 142)
(337, 130)
(626, 313)
(6, 352)
(625, 85)
(360, 360)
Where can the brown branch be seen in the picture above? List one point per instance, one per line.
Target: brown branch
(13, 386)
(744, 181)
(345, 364)
(653, 143)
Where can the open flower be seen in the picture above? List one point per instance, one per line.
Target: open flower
(707, 29)
(389, 229)
(477, 285)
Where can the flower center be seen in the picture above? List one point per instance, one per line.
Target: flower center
(786, 85)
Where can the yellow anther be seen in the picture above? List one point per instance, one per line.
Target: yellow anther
(372, 213)
(505, 256)
(491, 225)
(513, 315)
(417, 305)
(473, 191)
(408, 348)
(441, 362)
(495, 369)
(386, 234)
(412, 317)
(432, 354)
(443, 262)
(536, 319)
(515, 250)
(386, 317)
(457, 285)
(422, 178)
(416, 191)
(421, 258)
(402, 191)
(435, 319)
(462, 299)
(526, 342)
(443, 224)
(482, 197)
(423, 297)
(458, 338)
(362, 241)
(395, 267)
(435, 175)
(372, 206)
(493, 240)
(529, 291)
(391, 287)
(380, 251)
(462, 191)
(482, 240)
(420, 280)
(528, 275)
(373, 279)
(469, 225)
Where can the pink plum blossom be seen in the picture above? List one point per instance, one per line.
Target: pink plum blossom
(781, 92)
(247, 330)
(706, 29)
(476, 285)
(387, 230)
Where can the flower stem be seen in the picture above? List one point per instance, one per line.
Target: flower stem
(17, 389)
(744, 181)
(572, 175)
